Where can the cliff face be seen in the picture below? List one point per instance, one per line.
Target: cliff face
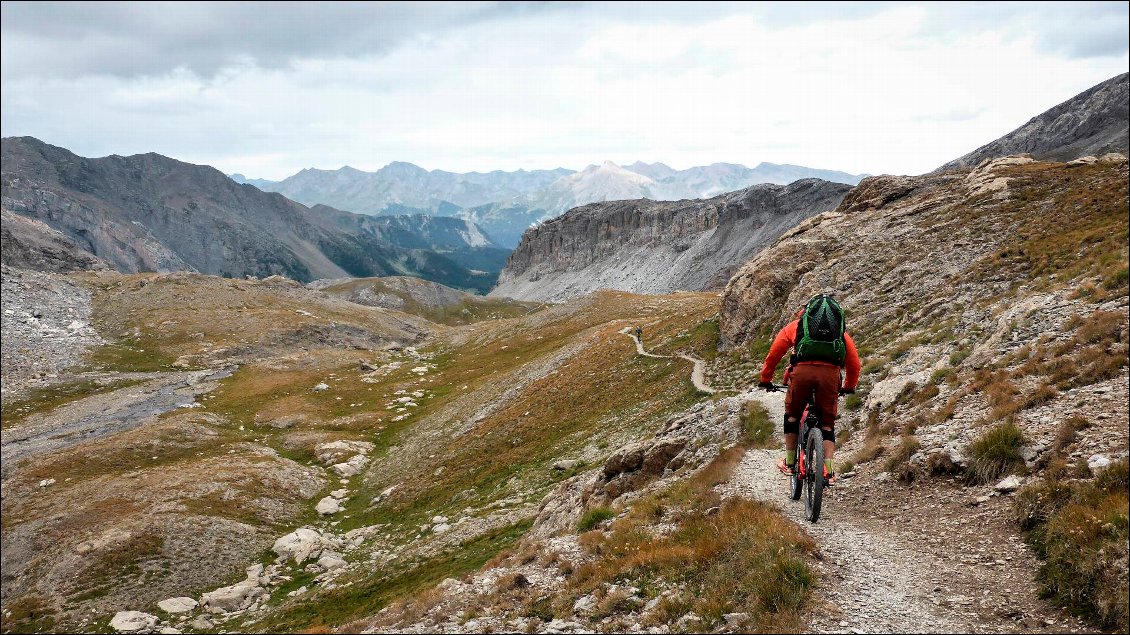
(30, 244)
(1093, 122)
(648, 246)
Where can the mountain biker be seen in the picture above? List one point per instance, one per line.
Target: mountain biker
(639, 334)
(813, 372)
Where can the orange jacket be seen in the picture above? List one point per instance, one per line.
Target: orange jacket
(786, 339)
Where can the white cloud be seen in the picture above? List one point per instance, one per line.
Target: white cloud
(900, 88)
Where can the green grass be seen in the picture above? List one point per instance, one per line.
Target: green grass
(133, 355)
(996, 453)
(28, 614)
(594, 517)
(1079, 530)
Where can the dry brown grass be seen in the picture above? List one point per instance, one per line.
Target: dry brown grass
(1079, 529)
(745, 558)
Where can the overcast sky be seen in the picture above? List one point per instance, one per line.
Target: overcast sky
(267, 89)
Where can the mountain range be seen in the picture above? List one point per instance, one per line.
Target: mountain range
(152, 213)
(505, 204)
(645, 246)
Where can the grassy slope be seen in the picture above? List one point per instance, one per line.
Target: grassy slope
(591, 401)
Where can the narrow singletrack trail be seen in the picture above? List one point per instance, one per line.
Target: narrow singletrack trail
(698, 371)
(887, 576)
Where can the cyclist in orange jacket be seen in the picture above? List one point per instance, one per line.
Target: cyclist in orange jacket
(813, 373)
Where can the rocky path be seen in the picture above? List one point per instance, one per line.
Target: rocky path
(698, 373)
(897, 567)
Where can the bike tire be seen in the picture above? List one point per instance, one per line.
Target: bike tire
(796, 481)
(814, 481)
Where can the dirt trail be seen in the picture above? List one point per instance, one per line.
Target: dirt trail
(890, 565)
(698, 373)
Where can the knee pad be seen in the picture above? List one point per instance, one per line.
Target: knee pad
(791, 427)
(828, 434)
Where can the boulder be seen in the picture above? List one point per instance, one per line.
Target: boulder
(584, 604)
(133, 622)
(625, 460)
(327, 506)
(177, 605)
(299, 545)
(1009, 484)
(330, 562)
(566, 465)
(232, 598)
(322, 387)
(337, 451)
(351, 467)
(659, 455)
(1098, 462)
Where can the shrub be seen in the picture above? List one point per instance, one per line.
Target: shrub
(995, 453)
(594, 517)
(853, 402)
(757, 430)
(1080, 531)
(898, 463)
(940, 464)
(940, 375)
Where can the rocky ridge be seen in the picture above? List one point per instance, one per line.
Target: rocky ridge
(1093, 122)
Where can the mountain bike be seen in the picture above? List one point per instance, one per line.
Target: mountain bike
(808, 478)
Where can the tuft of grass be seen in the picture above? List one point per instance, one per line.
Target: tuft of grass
(898, 463)
(941, 375)
(594, 517)
(1080, 530)
(995, 453)
(757, 430)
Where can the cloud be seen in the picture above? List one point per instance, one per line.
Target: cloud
(863, 88)
(65, 39)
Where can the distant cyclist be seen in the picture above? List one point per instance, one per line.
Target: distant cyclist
(821, 349)
(639, 334)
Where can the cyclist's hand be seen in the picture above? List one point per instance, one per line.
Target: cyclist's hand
(847, 391)
(767, 386)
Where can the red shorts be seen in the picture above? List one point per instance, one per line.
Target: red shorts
(817, 379)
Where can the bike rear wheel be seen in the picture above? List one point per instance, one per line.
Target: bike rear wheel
(796, 481)
(814, 476)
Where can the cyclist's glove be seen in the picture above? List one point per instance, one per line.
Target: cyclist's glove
(768, 386)
(847, 391)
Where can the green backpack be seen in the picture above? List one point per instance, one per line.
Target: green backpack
(820, 332)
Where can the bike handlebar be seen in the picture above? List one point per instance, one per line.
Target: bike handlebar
(780, 387)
